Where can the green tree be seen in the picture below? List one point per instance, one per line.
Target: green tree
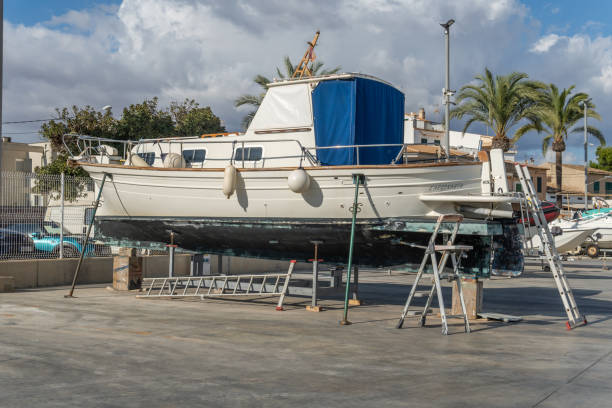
(48, 185)
(604, 159)
(191, 120)
(144, 121)
(500, 102)
(559, 112)
(262, 81)
(80, 121)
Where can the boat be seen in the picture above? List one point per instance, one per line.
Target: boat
(567, 240)
(291, 179)
(550, 210)
(598, 221)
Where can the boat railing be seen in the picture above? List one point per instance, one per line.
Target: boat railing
(88, 146)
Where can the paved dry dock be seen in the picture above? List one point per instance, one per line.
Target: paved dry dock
(109, 349)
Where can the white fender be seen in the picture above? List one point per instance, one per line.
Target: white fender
(298, 180)
(138, 161)
(229, 181)
(174, 161)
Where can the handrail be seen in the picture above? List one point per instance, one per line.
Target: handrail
(87, 147)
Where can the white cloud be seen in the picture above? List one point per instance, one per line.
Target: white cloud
(545, 43)
(211, 50)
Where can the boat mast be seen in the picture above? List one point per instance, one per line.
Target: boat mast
(309, 56)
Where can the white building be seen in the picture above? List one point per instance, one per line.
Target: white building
(417, 129)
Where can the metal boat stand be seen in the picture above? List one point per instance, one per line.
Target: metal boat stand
(314, 307)
(84, 246)
(452, 251)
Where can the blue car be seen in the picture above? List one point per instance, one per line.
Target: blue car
(46, 237)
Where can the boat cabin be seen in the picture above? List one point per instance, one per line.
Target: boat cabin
(345, 119)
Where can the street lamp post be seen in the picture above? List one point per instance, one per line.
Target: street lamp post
(586, 164)
(446, 92)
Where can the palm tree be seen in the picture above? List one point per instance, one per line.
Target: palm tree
(500, 102)
(558, 113)
(262, 81)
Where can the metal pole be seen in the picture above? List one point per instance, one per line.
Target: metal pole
(447, 92)
(586, 171)
(62, 197)
(84, 247)
(315, 273)
(357, 179)
(171, 249)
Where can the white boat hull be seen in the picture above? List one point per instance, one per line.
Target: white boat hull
(569, 240)
(389, 191)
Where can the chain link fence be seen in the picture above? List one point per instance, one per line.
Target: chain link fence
(46, 216)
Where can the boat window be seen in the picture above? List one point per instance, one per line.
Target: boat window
(149, 157)
(250, 153)
(194, 156)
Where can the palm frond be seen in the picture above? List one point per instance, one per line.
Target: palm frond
(248, 100)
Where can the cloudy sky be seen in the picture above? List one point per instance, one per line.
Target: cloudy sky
(112, 52)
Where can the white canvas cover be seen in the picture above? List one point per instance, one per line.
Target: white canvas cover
(286, 106)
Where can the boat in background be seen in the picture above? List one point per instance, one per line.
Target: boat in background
(551, 213)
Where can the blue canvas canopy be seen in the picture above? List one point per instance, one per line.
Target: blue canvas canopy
(357, 111)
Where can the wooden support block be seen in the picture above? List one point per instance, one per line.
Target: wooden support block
(127, 270)
(311, 308)
(472, 294)
(7, 284)
(354, 302)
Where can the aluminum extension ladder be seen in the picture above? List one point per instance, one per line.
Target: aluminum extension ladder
(534, 207)
(266, 284)
(449, 250)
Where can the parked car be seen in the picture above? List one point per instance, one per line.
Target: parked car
(14, 244)
(46, 237)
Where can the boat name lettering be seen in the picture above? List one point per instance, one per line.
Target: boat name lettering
(446, 187)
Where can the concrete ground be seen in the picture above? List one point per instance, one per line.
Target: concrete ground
(109, 349)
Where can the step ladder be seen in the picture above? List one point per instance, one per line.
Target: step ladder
(534, 208)
(449, 250)
(265, 284)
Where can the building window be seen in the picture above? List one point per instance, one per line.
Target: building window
(423, 140)
(539, 182)
(596, 187)
(437, 142)
(518, 187)
(194, 156)
(608, 187)
(248, 154)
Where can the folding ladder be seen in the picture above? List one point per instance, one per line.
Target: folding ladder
(534, 206)
(449, 250)
(266, 284)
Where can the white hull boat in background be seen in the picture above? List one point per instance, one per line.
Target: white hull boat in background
(599, 225)
(569, 240)
(291, 179)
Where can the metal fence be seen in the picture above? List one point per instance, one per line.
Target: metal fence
(46, 216)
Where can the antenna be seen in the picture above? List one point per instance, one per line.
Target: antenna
(309, 56)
